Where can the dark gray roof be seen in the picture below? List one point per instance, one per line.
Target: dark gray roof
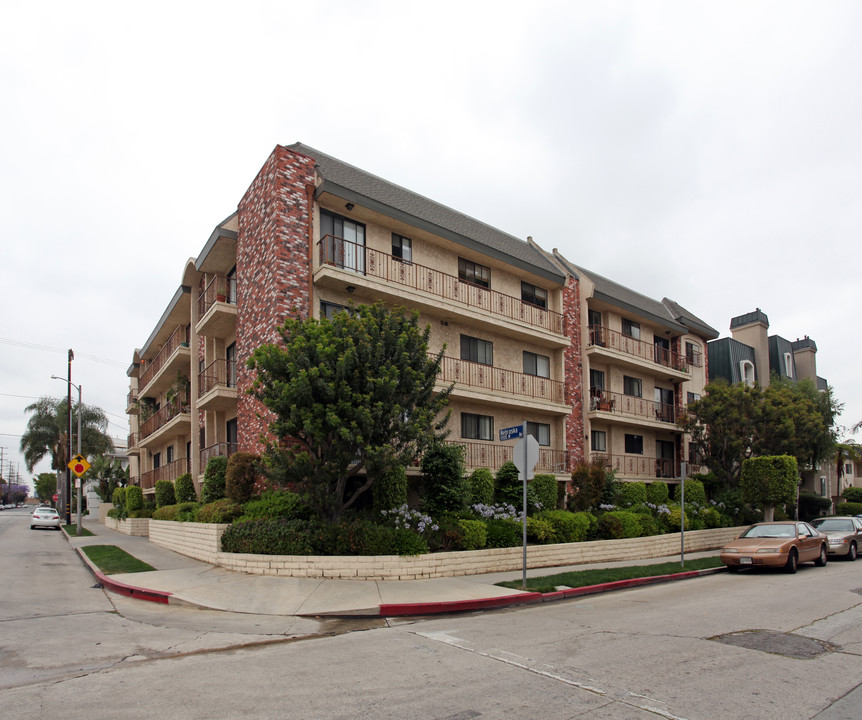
(690, 320)
(757, 316)
(806, 342)
(367, 190)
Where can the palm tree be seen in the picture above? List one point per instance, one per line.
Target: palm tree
(109, 473)
(47, 432)
(845, 452)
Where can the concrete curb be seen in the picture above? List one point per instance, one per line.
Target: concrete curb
(139, 593)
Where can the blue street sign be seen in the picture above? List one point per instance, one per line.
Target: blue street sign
(517, 431)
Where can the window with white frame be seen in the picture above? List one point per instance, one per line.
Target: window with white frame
(539, 365)
(746, 372)
(788, 365)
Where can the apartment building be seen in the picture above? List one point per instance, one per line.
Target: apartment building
(643, 361)
(312, 235)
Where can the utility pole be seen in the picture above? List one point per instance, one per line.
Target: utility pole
(68, 508)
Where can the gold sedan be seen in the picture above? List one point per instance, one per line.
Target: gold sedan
(784, 543)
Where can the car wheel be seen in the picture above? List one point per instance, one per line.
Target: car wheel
(792, 562)
(733, 568)
(851, 553)
(821, 561)
(32, 527)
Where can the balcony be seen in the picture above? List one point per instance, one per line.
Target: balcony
(217, 386)
(492, 456)
(174, 415)
(626, 350)
(365, 262)
(217, 307)
(132, 444)
(629, 407)
(132, 402)
(640, 466)
(171, 472)
(476, 375)
(162, 369)
(218, 450)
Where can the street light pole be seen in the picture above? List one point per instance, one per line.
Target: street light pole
(67, 511)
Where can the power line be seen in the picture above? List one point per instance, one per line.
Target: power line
(49, 348)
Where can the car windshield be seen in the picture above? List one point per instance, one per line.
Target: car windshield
(770, 531)
(834, 525)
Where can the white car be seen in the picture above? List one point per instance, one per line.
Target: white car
(45, 517)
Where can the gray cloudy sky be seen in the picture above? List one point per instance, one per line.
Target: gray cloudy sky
(707, 152)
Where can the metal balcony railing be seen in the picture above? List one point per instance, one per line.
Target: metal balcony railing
(492, 456)
(171, 472)
(219, 373)
(179, 337)
(365, 261)
(219, 449)
(473, 374)
(600, 336)
(618, 403)
(164, 415)
(220, 288)
(639, 465)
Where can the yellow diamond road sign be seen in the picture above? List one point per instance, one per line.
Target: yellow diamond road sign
(79, 465)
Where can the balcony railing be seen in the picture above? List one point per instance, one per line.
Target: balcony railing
(473, 374)
(618, 403)
(695, 358)
(639, 465)
(491, 455)
(132, 440)
(164, 415)
(171, 472)
(601, 336)
(219, 449)
(132, 399)
(219, 289)
(365, 261)
(179, 337)
(219, 373)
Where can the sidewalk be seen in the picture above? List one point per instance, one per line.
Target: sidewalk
(182, 580)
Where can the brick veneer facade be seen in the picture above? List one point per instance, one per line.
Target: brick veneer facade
(273, 270)
(572, 363)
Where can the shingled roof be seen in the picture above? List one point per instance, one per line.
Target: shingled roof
(363, 188)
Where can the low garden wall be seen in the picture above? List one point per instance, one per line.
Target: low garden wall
(139, 527)
(203, 542)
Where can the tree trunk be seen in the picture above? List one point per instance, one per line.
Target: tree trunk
(768, 513)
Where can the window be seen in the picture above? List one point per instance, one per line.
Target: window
(477, 350)
(848, 468)
(746, 371)
(598, 440)
(471, 272)
(157, 460)
(692, 397)
(597, 333)
(539, 365)
(402, 247)
(788, 365)
(540, 431)
(343, 242)
(476, 427)
(692, 354)
(664, 410)
(635, 444)
(231, 286)
(664, 463)
(534, 295)
(597, 379)
(232, 435)
(631, 329)
(230, 355)
(329, 310)
(169, 454)
(632, 386)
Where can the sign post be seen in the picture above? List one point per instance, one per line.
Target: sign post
(526, 455)
(683, 470)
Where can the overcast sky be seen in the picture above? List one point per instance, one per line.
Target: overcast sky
(706, 152)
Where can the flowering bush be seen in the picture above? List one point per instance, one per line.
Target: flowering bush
(496, 512)
(405, 519)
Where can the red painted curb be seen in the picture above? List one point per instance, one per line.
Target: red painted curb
(434, 608)
(156, 596)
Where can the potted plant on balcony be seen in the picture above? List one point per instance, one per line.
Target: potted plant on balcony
(181, 389)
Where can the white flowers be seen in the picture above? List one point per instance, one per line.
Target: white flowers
(405, 519)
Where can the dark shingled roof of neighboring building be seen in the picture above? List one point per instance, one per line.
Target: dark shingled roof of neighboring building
(367, 190)
(756, 316)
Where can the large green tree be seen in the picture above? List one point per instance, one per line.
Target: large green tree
(46, 434)
(46, 486)
(733, 422)
(352, 397)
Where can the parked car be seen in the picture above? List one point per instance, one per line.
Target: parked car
(45, 517)
(844, 532)
(784, 543)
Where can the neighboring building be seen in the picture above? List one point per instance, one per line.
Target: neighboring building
(643, 361)
(313, 234)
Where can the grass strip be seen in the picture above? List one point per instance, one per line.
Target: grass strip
(72, 530)
(112, 560)
(597, 576)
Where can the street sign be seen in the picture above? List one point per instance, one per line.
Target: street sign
(79, 465)
(516, 431)
(525, 456)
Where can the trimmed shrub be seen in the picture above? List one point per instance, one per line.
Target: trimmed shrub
(619, 524)
(632, 493)
(587, 486)
(184, 488)
(134, 499)
(165, 493)
(475, 534)
(363, 537)
(649, 524)
(118, 497)
(144, 512)
(769, 481)
(503, 533)
(848, 508)
(446, 488)
(218, 511)
(214, 479)
(694, 492)
(481, 486)
(183, 512)
(568, 526)
(657, 493)
(671, 521)
(545, 488)
(448, 534)
(540, 531)
(268, 537)
(241, 476)
(390, 489)
(711, 517)
(509, 489)
(812, 506)
(852, 494)
(275, 504)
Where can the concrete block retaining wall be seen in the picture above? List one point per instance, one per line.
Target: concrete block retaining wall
(139, 527)
(203, 542)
